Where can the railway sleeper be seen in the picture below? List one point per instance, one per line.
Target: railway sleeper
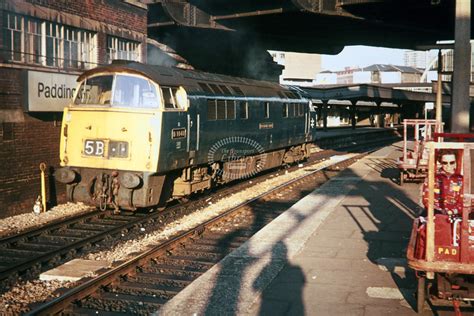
(59, 240)
(164, 279)
(111, 221)
(19, 253)
(36, 246)
(196, 259)
(199, 255)
(92, 311)
(117, 302)
(213, 242)
(180, 264)
(147, 289)
(224, 236)
(10, 260)
(206, 248)
(188, 277)
(4, 267)
(75, 233)
(94, 226)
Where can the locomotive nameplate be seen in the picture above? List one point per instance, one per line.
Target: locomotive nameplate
(94, 147)
(178, 133)
(265, 125)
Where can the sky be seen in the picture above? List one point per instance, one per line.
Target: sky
(362, 56)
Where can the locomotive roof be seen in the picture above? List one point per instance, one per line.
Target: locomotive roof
(197, 82)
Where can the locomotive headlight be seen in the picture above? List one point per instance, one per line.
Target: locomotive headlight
(130, 180)
(182, 98)
(65, 175)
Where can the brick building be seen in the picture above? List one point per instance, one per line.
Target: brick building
(44, 46)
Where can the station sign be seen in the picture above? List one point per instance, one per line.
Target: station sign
(46, 91)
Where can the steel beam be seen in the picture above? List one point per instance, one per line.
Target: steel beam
(462, 68)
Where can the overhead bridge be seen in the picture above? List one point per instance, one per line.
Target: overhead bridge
(233, 36)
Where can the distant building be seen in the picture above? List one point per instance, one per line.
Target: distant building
(300, 69)
(325, 77)
(346, 76)
(379, 73)
(417, 59)
(376, 73)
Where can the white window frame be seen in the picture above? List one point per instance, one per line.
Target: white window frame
(84, 43)
(121, 48)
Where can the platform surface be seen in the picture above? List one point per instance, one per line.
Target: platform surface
(338, 251)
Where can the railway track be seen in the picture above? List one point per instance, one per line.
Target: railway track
(144, 283)
(33, 251)
(27, 254)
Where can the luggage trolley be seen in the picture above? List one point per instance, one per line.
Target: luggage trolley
(441, 247)
(413, 164)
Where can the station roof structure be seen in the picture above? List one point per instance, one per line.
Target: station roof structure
(371, 93)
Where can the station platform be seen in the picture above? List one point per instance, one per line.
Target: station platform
(338, 251)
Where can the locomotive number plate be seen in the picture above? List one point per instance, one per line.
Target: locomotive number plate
(94, 147)
(178, 133)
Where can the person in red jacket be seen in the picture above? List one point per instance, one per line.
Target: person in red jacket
(448, 186)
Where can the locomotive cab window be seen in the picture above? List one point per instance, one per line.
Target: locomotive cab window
(174, 98)
(134, 92)
(169, 97)
(95, 91)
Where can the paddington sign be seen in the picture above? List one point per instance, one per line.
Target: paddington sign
(48, 92)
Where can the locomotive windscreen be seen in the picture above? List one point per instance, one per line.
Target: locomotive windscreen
(127, 91)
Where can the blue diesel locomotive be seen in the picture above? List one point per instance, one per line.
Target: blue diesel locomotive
(137, 136)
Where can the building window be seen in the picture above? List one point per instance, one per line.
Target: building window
(52, 44)
(34, 41)
(120, 48)
(13, 36)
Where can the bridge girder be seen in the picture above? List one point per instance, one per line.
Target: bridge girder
(310, 26)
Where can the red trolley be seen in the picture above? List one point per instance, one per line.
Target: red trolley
(441, 247)
(414, 162)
